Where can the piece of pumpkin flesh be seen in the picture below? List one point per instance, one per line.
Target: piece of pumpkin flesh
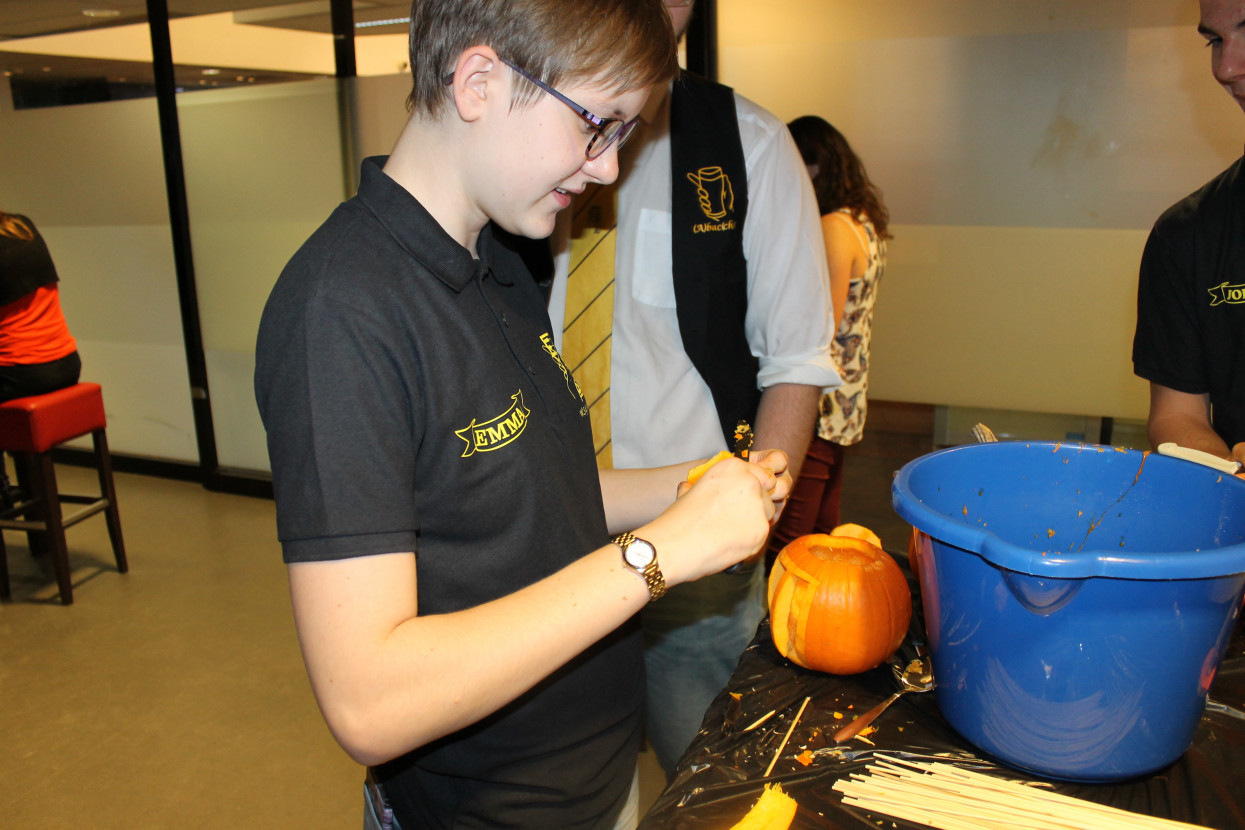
(798, 582)
(773, 810)
(780, 609)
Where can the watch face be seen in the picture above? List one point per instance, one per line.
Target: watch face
(639, 554)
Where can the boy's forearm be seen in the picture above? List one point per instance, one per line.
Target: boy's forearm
(389, 681)
(635, 497)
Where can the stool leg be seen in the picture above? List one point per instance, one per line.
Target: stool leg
(27, 468)
(103, 464)
(55, 527)
(5, 593)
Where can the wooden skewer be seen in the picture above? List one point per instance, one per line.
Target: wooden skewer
(783, 745)
(759, 721)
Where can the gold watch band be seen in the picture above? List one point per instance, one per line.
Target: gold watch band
(652, 574)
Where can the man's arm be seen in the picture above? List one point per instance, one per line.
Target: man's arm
(388, 680)
(785, 420)
(790, 319)
(1184, 419)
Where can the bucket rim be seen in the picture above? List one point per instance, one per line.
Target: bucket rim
(1134, 565)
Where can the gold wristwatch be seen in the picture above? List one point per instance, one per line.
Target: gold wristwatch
(640, 556)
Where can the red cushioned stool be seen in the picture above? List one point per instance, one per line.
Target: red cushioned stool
(29, 429)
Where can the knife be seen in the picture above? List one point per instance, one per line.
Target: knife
(743, 446)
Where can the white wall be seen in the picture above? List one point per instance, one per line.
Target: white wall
(1024, 150)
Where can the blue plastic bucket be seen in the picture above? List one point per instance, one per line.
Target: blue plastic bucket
(1078, 599)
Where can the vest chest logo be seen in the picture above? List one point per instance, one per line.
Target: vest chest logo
(716, 198)
(496, 432)
(1224, 293)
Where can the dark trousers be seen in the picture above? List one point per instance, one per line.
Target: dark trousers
(39, 378)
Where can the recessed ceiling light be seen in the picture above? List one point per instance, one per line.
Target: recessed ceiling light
(392, 21)
(211, 72)
(101, 12)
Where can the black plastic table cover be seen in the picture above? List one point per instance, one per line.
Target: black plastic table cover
(721, 775)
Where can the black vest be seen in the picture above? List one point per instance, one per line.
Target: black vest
(709, 202)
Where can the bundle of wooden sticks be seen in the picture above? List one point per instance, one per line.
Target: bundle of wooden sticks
(949, 798)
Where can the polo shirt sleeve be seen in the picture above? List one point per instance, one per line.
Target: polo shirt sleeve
(1167, 344)
(789, 322)
(342, 419)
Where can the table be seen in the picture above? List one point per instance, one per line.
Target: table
(721, 774)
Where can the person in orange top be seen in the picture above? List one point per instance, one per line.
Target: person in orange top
(37, 352)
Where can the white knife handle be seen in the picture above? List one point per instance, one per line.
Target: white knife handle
(1222, 464)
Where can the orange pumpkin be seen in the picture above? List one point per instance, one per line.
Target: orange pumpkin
(838, 604)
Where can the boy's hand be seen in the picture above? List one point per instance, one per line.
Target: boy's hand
(723, 519)
(778, 484)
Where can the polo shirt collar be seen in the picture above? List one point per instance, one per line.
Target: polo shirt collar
(410, 224)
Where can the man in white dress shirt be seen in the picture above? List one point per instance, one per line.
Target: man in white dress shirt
(662, 409)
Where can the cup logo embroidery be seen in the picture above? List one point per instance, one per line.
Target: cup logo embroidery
(496, 432)
(1224, 293)
(716, 198)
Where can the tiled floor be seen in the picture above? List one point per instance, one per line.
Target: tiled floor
(174, 695)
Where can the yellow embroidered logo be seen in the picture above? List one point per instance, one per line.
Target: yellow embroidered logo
(572, 385)
(716, 196)
(498, 432)
(1224, 293)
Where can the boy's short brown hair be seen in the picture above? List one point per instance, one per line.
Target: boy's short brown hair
(628, 44)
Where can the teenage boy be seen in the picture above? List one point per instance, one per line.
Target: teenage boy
(721, 311)
(467, 625)
(1190, 339)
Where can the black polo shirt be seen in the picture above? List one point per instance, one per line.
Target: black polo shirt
(1191, 300)
(413, 401)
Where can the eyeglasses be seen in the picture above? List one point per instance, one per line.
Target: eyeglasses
(608, 130)
(678, 4)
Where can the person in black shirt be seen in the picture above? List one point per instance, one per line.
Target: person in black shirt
(1190, 338)
(466, 621)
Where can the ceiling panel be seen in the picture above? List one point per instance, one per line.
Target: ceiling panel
(26, 18)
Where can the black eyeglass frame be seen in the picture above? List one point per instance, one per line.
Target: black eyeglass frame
(604, 130)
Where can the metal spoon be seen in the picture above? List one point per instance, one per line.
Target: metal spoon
(917, 676)
(983, 434)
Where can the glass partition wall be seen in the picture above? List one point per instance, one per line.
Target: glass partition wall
(170, 212)
(263, 167)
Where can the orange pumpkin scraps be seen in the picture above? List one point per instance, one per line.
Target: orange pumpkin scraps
(837, 604)
(694, 474)
(855, 531)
